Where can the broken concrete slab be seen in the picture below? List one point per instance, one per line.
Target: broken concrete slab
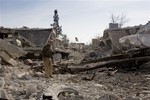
(111, 39)
(144, 39)
(6, 57)
(146, 98)
(137, 40)
(3, 94)
(11, 49)
(114, 37)
(140, 39)
(130, 41)
(24, 76)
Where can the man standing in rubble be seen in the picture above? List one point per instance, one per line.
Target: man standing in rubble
(47, 54)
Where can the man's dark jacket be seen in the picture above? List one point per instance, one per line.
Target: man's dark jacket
(47, 51)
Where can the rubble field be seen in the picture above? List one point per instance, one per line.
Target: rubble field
(21, 83)
(113, 67)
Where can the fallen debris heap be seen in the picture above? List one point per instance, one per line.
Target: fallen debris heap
(113, 65)
(135, 58)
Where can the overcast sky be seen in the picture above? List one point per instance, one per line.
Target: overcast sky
(85, 19)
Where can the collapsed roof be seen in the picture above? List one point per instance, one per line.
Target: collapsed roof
(38, 37)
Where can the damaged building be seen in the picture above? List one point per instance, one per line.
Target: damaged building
(111, 36)
(114, 67)
(28, 39)
(36, 39)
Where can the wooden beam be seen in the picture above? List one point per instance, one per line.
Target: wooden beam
(116, 57)
(113, 63)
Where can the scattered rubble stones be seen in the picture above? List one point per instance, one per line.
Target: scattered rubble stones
(2, 68)
(133, 98)
(28, 62)
(147, 98)
(23, 83)
(2, 71)
(3, 94)
(109, 97)
(30, 90)
(120, 84)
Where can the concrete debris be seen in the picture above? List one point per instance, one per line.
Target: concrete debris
(30, 91)
(114, 37)
(112, 73)
(3, 95)
(111, 37)
(38, 74)
(121, 84)
(113, 61)
(2, 71)
(9, 52)
(12, 50)
(133, 98)
(140, 39)
(109, 97)
(5, 56)
(117, 63)
(24, 76)
(28, 62)
(137, 40)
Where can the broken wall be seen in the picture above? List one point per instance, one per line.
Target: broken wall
(140, 39)
(95, 42)
(114, 37)
(111, 37)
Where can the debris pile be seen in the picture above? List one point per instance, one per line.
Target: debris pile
(115, 68)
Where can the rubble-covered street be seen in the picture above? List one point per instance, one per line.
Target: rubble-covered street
(21, 83)
(80, 72)
(45, 64)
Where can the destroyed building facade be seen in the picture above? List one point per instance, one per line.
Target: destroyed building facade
(32, 40)
(111, 37)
